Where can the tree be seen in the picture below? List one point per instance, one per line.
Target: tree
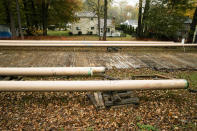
(123, 12)
(105, 20)
(162, 19)
(19, 19)
(59, 12)
(96, 7)
(45, 7)
(145, 15)
(99, 21)
(193, 27)
(7, 15)
(37, 14)
(139, 30)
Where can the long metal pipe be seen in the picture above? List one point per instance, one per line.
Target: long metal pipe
(18, 43)
(96, 45)
(83, 42)
(49, 71)
(92, 85)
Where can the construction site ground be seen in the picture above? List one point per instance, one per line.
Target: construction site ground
(157, 110)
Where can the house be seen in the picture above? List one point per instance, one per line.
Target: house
(5, 31)
(133, 23)
(183, 32)
(88, 24)
(110, 28)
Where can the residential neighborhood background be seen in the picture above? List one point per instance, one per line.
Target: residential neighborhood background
(144, 19)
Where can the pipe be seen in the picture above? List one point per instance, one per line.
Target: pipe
(18, 43)
(50, 71)
(83, 42)
(96, 45)
(92, 85)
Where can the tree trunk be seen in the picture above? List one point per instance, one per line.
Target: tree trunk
(105, 21)
(140, 19)
(192, 27)
(19, 19)
(145, 15)
(26, 13)
(44, 17)
(11, 19)
(5, 3)
(99, 21)
(34, 20)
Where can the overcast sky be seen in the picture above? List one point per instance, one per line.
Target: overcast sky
(130, 2)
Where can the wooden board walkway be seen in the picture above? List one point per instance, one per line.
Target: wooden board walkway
(127, 59)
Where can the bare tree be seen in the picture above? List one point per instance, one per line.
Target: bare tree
(105, 20)
(96, 7)
(19, 19)
(139, 31)
(99, 21)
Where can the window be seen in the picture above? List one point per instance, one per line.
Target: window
(108, 30)
(91, 18)
(92, 28)
(78, 28)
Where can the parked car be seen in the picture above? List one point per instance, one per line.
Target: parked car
(5, 31)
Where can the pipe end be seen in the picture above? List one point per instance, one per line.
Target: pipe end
(187, 84)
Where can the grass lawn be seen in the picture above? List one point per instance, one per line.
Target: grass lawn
(57, 33)
(64, 35)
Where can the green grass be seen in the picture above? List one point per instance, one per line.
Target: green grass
(87, 37)
(191, 77)
(146, 127)
(57, 33)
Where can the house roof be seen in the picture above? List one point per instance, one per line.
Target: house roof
(86, 14)
(130, 22)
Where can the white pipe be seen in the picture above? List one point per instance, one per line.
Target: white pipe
(92, 85)
(50, 71)
(83, 42)
(96, 45)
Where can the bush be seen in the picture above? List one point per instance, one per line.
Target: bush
(32, 31)
(70, 33)
(123, 35)
(79, 33)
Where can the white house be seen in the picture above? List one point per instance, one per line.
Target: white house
(88, 24)
(133, 23)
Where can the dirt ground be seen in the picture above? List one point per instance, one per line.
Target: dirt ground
(75, 57)
(158, 110)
